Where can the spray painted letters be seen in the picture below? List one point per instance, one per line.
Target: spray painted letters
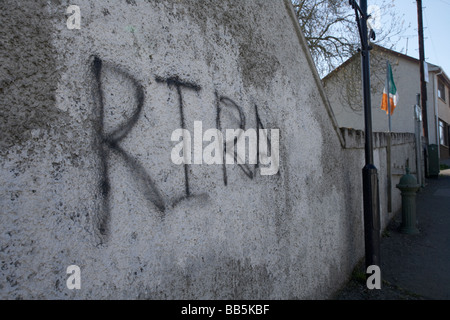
(109, 141)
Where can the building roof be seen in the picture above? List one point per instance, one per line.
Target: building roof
(431, 67)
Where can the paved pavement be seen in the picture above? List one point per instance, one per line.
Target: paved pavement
(414, 267)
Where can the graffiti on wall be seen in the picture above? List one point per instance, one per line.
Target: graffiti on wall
(110, 142)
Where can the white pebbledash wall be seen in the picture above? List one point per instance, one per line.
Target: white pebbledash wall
(86, 176)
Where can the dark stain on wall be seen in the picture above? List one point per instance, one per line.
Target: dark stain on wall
(28, 78)
(257, 66)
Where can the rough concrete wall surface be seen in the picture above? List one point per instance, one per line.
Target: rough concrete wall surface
(86, 173)
(402, 155)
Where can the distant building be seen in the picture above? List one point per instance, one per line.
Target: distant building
(442, 101)
(343, 87)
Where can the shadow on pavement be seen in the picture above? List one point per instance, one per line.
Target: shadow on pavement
(414, 267)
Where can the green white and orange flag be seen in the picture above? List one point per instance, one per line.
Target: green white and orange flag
(392, 89)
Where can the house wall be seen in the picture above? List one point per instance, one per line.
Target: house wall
(444, 152)
(444, 106)
(432, 96)
(433, 136)
(344, 92)
(402, 156)
(444, 115)
(86, 176)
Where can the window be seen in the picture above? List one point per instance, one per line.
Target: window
(441, 90)
(443, 133)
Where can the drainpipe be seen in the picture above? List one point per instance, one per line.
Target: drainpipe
(436, 111)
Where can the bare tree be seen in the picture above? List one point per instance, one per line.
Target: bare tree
(331, 31)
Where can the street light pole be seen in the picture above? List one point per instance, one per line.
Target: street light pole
(370, 173)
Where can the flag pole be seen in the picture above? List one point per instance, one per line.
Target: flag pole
(388, 93)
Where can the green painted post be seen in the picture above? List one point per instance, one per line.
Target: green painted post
(408, 186)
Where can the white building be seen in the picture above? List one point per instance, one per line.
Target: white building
(343, 87)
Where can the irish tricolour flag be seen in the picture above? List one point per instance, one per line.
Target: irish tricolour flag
(390, 90)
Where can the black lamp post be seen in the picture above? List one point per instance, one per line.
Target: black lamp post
(370, 174)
